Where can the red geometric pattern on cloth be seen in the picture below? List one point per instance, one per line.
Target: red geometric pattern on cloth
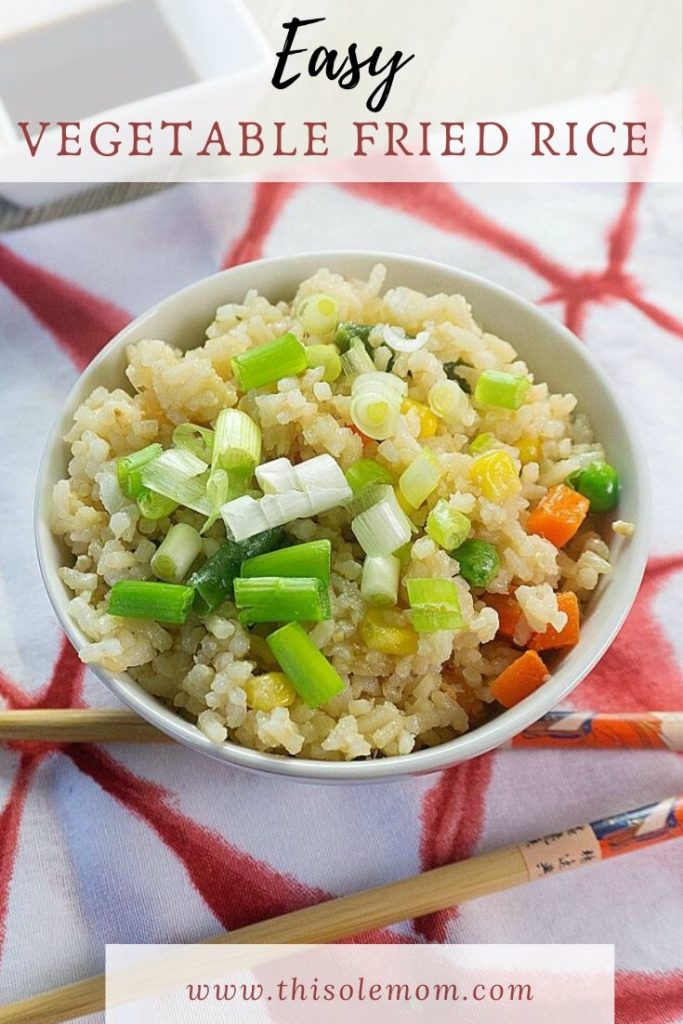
(453, 807)
(80, 322)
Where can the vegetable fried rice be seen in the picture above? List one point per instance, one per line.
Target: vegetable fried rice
(349, 525)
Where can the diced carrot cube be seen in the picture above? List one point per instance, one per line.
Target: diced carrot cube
(509, 612)
(520, 679)
(568, 635)
(558, 515)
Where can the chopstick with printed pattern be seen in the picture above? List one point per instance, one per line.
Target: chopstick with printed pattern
(361, 912)
(558, 730)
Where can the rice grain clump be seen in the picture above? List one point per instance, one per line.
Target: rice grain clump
(494, 507)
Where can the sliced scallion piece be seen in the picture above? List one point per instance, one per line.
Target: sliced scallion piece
(504, 390)
(155, 506)
(365, 472)
(194, 439)
(217, 490)
(348, 330)
(176, 553)
(448, 400)
(421, 477)
(383, 528)
(376, 400)
(146, 599)
(213, 582)
(270, 362)
(236, 452)
(447, 526)
(482, 443)
(181, 476)
(434, 604)
(379, 582)
(307, 669)
(292, 492)
(365, 499)
(451, 371)
(281, 599)
(277, 476)
(237, 442)
(129, 469)
(326, 356)
(356, 360)
(308, 560)
(319, 314)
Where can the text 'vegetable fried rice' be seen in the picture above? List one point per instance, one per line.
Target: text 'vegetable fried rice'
(392, 704)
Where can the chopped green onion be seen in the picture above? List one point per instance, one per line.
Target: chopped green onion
(155, 506)
(326, 356)
(421, 478)
(277, 476)
(213, 582)
(176, 553)
(447, 526)
(237, 442)
(181, 476)
(311, 559)
(448, 400)
(383, 528)
(599, 482)
(161, 602)
(221, 487)
(270, 362)
(129, 469)
(376, 400)
(281, 599)
(434, 604)
(403, 553)
(292, 492)
(194, 439)
(319, 314)
(481, 443)
(365, 499)
(379, 582)
(356, 360)
(451, 371)
(505, 390)
(348, 331)
(217, 488)
(398, 339)
(365, 472)
(479, 562)
(236, 452)
(307, 669)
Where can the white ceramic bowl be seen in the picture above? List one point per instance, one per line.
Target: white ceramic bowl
(554, 355)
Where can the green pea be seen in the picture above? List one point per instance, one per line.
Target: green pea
(479, 562)
(599, 482)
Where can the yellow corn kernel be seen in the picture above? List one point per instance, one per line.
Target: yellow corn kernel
(495, 474)
(386, 631)
(429, 422)
(272, 690)
(529, 449)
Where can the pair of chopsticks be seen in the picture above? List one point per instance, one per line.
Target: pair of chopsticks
(559, 730)
(422, 894)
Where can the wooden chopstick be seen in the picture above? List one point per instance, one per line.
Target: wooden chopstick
(433, 890)
(77, 725)
(559, 730)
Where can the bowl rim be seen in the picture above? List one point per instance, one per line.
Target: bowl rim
(471, 744)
